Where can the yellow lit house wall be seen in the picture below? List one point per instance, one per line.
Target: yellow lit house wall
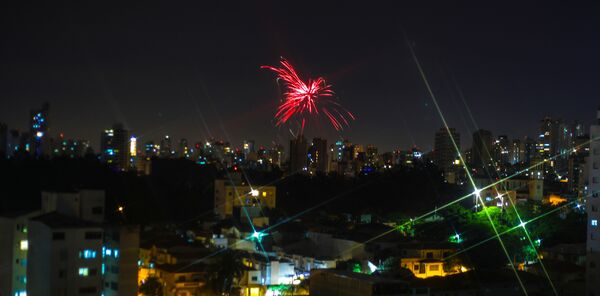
(423, 269)
(425, 262)
(228, 196)
(535, 187)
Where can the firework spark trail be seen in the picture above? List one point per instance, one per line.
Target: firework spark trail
(503, 186)
(307, 98)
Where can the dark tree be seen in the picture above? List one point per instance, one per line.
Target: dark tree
(151, 287)
(228, 268)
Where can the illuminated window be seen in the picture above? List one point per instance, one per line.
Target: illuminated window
(84, 271)
(20, 293)
(264, 194)
(24, 245)
(87, 254)
(594, 222)
(434, 267)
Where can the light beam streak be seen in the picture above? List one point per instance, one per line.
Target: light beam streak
(518, 226)
(437, 106)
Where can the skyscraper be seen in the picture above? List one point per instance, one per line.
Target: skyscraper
(481, 149)
(38, 126)
(166, 147)
(530, 150)
(372, 155)
(500, 149)
(183, 151)
(276, 154)
(248, 147)
(592, 206)
(318, 156)
(445, 153)
(115, 146)
(516, 153)
(298, 154)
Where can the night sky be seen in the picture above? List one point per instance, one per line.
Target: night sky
(192, 70)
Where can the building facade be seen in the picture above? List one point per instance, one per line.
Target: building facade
(232, 196)
(445, 152)
(592, 207)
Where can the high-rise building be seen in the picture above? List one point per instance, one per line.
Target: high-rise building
(372, 155)
(500, 149)
(592, 208)
(338, 149)
(248, 147)
(115, 146)
(55, 250)
(298, 154)
(317, 155)
(481, 150)
(445, 152)
(276, 155)
(121, 252)
(545, 140)
(577, 129)
(530, 150)
(150, 149)
(38, 127)
(166, 147)
(516, 153)
(184, 150)
(14, 246)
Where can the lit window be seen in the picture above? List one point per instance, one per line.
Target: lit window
(87, 254)
(594, 222)
(116, 253)
(24, 245)
(264, 194)
(84, 271)
(20, 293)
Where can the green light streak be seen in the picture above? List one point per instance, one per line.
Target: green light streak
(520, 225)
(477, 195)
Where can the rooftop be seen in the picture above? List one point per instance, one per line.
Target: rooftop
(57, 220)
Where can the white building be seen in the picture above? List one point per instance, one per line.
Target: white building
(65, 256)
(14, 246)
(592, 206)
(120, 255)
(45, 251)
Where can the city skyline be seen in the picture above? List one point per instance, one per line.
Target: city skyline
(465, 145)
(194, 72)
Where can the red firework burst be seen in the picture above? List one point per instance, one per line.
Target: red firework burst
(311, 97)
